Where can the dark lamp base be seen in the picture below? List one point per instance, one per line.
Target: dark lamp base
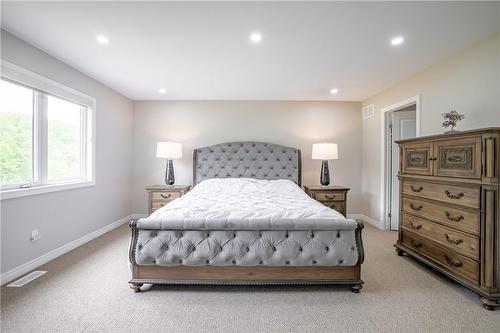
(325, 174)
(169, 173)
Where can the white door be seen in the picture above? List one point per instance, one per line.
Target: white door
(404, 126)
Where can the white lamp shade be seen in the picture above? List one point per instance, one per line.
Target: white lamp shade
(325, 151)
(169, 150)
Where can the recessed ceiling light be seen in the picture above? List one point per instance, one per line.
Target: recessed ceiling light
(102, 39)
(397, 41)
(255, 37)
(334, 91)
(162, 90)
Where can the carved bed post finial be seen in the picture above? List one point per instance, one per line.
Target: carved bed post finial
(359, 242)
(133, 241)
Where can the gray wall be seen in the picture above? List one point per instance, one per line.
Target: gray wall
(198, 124)
(65, 216)
(468, 82)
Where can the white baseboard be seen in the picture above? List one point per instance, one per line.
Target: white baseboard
(31, 265)
(364, 218)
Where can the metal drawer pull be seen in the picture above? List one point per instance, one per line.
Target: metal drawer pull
(454, 218)
(161, 205)
(416, 189)
(452, 263)
(453, 196)
(415, 226)
(165, 196)
(415, 207)
(433, 158)
(453, 241)
(416, 244)
(330, 196)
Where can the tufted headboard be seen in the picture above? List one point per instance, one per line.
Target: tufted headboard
(257, 160)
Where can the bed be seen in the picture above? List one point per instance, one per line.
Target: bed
(246, 221)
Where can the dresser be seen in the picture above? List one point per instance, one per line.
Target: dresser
(160, 195)
(449, 207)
(334, 197)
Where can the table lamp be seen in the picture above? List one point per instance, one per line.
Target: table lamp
(169, 150)
(325, 152)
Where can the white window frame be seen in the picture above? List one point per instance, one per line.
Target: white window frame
(42, 87)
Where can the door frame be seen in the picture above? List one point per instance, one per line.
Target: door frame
(385, 175)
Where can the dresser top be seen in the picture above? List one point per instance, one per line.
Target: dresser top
(453, 134)
(166, 187)
(326, 188)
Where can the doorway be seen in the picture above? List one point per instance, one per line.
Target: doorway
(401, 124)
(400, 121)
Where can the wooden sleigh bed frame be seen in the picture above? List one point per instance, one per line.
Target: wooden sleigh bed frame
(230, 155)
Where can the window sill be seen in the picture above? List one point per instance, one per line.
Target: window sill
(23, 192)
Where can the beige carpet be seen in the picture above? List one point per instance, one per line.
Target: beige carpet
(86, 290)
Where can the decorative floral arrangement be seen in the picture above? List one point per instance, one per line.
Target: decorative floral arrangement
(451, 118)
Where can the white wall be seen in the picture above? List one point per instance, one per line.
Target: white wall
(294, 124)
(65, 216)
(468, 82)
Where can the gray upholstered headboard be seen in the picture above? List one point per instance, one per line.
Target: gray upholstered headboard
(257, 160)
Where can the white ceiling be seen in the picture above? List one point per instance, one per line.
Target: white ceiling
(202, 50)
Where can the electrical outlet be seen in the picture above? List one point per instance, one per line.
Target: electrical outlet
(35, 235)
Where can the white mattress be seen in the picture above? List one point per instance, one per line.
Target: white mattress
(246, 204)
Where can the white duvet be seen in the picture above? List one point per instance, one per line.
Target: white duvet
(246, 204)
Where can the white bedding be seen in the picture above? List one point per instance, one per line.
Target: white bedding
(246, 204)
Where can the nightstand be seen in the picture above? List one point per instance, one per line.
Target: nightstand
(334, 197)
(160, 195)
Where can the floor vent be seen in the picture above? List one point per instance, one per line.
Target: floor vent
(26, 279)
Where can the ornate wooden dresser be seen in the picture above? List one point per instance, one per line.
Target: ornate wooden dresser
(449, 207)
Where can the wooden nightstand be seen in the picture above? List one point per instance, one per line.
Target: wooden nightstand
(160, 195)
(334, 197)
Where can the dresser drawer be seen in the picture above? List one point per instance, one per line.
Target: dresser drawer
(454, 240)
(451, 261)
(158, 204)
(164, 195)
(338, 206)
(453, 217)
(329, 196)
(460, 195)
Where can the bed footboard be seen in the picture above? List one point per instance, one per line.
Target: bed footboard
(246, 275)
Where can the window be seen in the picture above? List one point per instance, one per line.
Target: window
(16, 135)
(66, 125)
(46, 140)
